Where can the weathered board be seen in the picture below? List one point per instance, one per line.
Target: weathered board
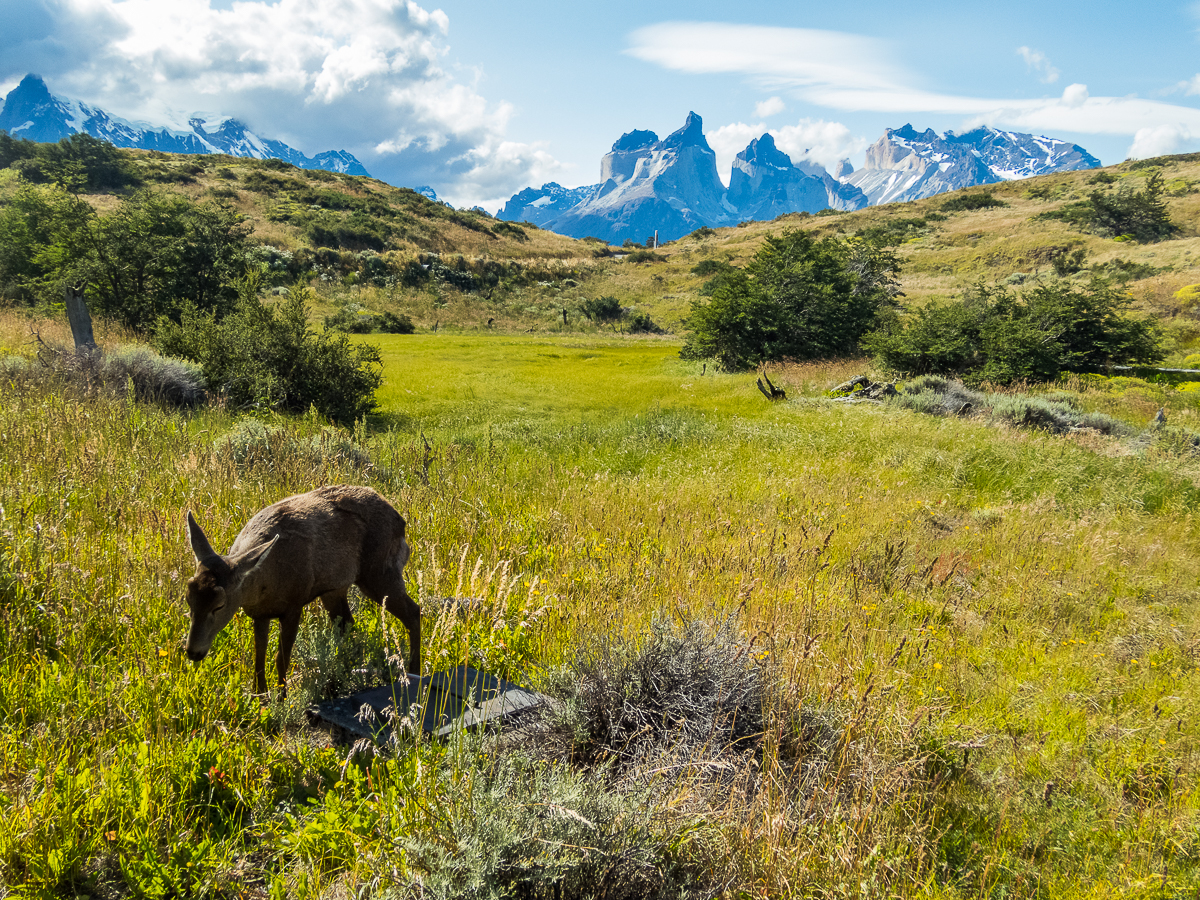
(461, 698)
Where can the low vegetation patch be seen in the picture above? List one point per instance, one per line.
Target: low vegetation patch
(936, 395)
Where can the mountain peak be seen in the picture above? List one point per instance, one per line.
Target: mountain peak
(908, 133)
(764, 152)
(635, 140)
(690, 135)
(32, 88)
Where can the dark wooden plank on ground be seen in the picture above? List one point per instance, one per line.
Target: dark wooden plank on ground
(461, 698)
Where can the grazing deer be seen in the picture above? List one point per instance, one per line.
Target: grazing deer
(289, 554)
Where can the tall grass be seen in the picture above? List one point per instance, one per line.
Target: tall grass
(984, 643)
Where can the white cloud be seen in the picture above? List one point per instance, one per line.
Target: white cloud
(1075, 95)
(772, 106)
(825, 143)
(856, 74)
(360, 75)
(1036, 60)
(1192, 85)
(1160, 140)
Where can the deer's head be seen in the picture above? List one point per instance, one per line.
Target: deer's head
(214, 593)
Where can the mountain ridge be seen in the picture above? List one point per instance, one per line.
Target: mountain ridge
(669, 187)
(32, 112)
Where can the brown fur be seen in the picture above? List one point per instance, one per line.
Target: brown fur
(302, 548)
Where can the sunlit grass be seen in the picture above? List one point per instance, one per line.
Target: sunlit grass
(999, 628)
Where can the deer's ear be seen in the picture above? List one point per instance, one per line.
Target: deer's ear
(200, 545)
(247, 562)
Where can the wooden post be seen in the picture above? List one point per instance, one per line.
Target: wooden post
(80, 319)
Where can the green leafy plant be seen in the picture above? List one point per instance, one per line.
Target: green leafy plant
(966, 202)
(604, 309)
(994, 335)
(799, 298)
(267, 356)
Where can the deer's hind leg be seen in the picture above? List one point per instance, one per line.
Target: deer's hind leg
(337, 604)
(388, 590)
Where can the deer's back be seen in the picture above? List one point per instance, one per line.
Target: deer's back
(327, 538)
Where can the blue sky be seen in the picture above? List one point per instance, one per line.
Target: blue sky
(480, 99)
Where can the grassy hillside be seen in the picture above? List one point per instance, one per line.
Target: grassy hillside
(358, 236)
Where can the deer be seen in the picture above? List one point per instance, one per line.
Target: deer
(304, 547)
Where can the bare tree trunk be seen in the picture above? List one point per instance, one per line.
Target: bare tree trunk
(80, 319)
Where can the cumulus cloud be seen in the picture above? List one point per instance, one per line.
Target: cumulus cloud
(1037, 62)
(1160, 140)
(772, 106)
(812, 140)
(854, 73)
(1075, 95)
(360, 75)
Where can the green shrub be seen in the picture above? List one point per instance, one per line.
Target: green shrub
(1140, 214)
(603, 309)
(79, 162)
(155, 378)
(994, 335)
(641, 323)
(967, 202)
(799, 298)
(1057, 413)
(707, 267)
(643, 256)
(529, 829)
(683, 690)
(264, 356)
(149, 376)
(354, 320)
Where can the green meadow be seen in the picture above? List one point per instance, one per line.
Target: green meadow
(981, 640)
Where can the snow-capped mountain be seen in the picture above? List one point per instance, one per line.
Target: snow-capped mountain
(30, 111)
(540, 205)
(1012, 155)
(671, 186)
(647, 185)
(906, 164)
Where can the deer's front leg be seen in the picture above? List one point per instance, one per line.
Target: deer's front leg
(262, 633)
(289, 626)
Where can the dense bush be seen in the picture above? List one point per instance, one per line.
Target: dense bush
(603, 309)
(353, 319)
(1141, 215)
(265, 356)
(1123, 213)
(799, 298)
(707, 267)
(994, 335)
(78, 163)
(681, 691)
(641, 323)
(139, 371)
(967, 202)
(144, 259)
(940, 396)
